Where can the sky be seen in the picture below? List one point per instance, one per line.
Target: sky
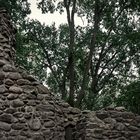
(48, 19)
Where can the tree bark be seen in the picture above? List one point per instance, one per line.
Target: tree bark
(88, 62)
(63, 85)
(70, 19)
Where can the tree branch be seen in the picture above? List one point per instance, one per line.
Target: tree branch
(92, 46)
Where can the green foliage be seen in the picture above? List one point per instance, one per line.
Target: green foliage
(116, 49)
(18, 9)
(30, 56)
(44, 50)
(130, 97)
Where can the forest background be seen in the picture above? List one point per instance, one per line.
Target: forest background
(91, 66)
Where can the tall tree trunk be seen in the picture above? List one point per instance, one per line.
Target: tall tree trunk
(63, 84)
(88, 62)
(94, 73)
(93, 93)
(70, 19)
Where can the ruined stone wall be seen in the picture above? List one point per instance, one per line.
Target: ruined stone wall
(108, 124)
(7, 38)
(28, 111)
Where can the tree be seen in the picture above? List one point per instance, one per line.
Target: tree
(130, 97)
(88, 65)
(97, 13)
(29, 56)
(107, 59)
(18, 9)
(70, 7)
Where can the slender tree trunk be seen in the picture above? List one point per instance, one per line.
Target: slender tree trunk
(94, 73)
(70, 19)
(94, 91)
(92, 46)
(63, 84)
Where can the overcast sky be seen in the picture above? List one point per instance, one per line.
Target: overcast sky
(48, 19)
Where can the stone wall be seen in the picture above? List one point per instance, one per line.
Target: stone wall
(28, 110)
(108, 124)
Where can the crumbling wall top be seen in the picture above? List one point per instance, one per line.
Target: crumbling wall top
(7, 37)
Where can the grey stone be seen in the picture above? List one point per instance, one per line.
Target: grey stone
(3, 89)
(8, 118)
(21, 138)
(5, 104)
(31, 103)
(127, 115)
(10, 138)
(46, 132)
(4, 138)
(2, 75)
(28, 89)
(28, 77)
(14, 75)
(92, 125)
(16, 89)
(17, 103)
(38, 136)
(2, 62)
(23, 82)
(10, 110)
(102, 114)
(9, 82)
(12, 96)
(27, 115)
(35, 124)
(23, 96)
(110, 120)
(46, 115)
(9, 68)
(32, 95)
(120, 126)
(74, 110)
(18, 126)
(25, 133)
(44, 108)
(13, 133)
(64, 104)
(5, 126)
(22, 119)
(18, 114)
(29, 109)
(133, 128)
(1, 82)
(35, 83)
(120, 108)
(49, 124)
(40, 97)
(42, 89)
